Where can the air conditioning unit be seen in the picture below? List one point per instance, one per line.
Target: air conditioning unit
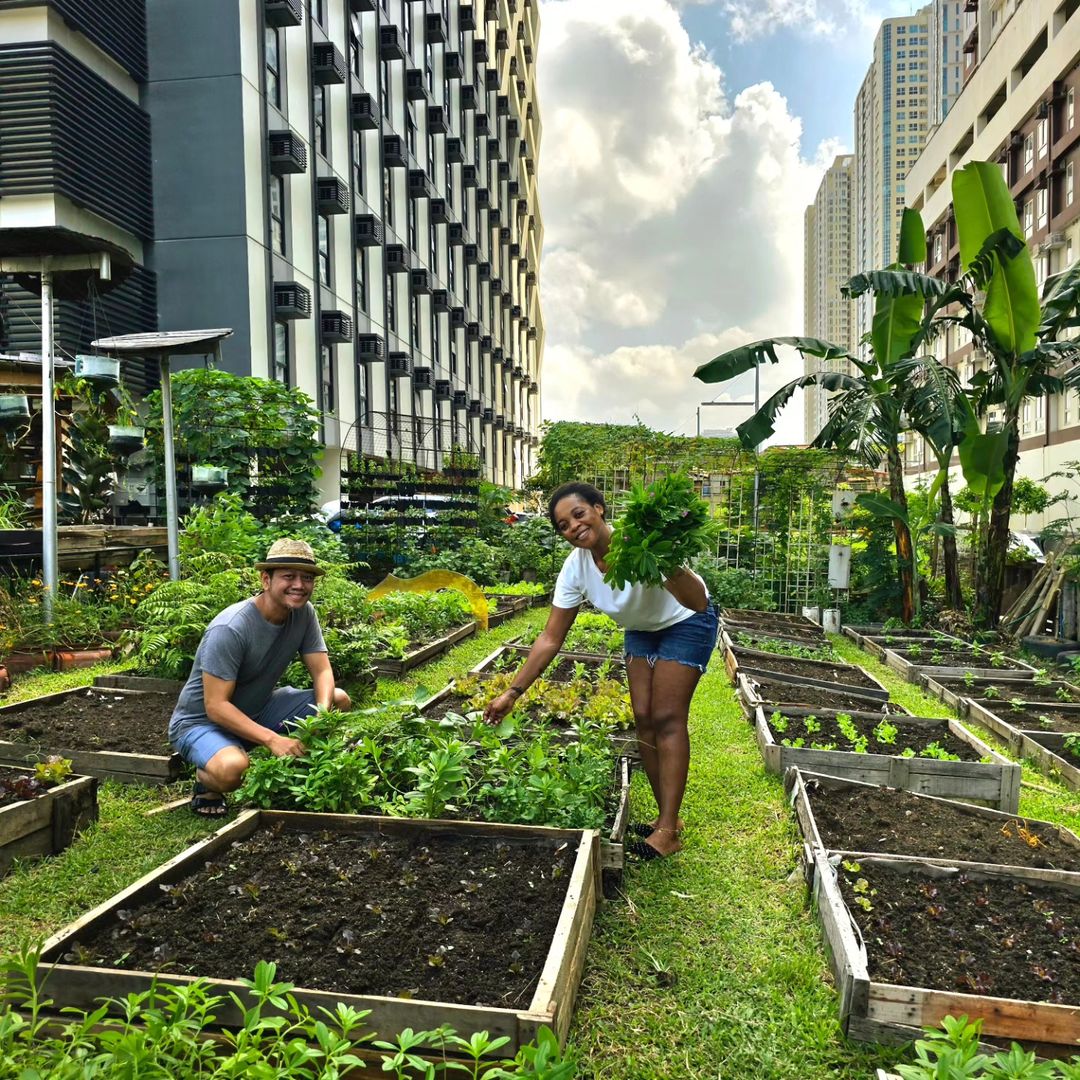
(455, 152)
(419, 282)
(443, 391)
(1054, 241)
(390, 43)
(481, 125)
(415, 85)
(476, 407)
(332, 195)
(423, 378)
(364, 111)
(468, 96)
(283, 13)
(452, 65)
(466, 17)
(327, 64)
(335, 328)
(461, 399)
(291, 300)
(480, 52)
(472, 331)
(439, 212)
(369, 348)
(434, 27)
(437, 122)
(399, 365)
(394, 153)
(440, 300)
(369, 230)
(397, 260)
(287, 153)
(420, 186)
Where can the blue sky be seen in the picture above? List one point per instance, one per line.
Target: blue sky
(683, 140)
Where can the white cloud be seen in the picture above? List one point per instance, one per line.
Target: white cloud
(673, 216)
(748, 19)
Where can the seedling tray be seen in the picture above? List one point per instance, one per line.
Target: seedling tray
(552, 1001)
(877, 1011)
(399, 665)
(799, 782)
(771, 693)
(995, 782)
(129, 768)
(824, 674)
(911, 670)
(47, 824)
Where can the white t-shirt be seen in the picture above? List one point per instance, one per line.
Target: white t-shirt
(637, 607)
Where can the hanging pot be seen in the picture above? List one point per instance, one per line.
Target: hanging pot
(209, 476)
(14, 410)
(126, 438)
(99, 371)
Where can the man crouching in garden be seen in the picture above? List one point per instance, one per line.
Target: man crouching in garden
(231, 701)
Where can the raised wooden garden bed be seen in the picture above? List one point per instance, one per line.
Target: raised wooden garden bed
(954, 689)
(859, 819)
(518, 603)
(101, 731)
(985, 776)
(770, 618)
(1044, 750)
(798, 672)
(1040, 716)
(755, 690)
(146, 683)
(561, 669)
(953, 662)
(47, 823)
(399, 665)
(359, 910)
(878, 645)
(921, 965)
(501, 614)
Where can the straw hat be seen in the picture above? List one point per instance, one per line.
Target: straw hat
(290, 555)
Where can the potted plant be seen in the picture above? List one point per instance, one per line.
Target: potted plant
(126, 435)
(208, 476)
(100, 371)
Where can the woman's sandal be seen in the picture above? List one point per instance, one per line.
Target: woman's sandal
(640, 829)
(207, 803)
(646, 852)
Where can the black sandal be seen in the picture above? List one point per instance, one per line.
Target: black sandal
(640, 850)
(207, 803)
(640, 829)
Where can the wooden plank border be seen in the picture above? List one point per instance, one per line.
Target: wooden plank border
(47, 824)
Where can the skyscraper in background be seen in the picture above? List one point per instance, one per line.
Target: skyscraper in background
(828, 264)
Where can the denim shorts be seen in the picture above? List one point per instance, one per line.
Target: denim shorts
(203, 739)
(689, 642)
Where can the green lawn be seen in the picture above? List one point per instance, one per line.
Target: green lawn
(709, 965)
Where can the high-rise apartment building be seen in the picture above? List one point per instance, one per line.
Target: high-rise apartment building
(891, 116)
(827, 266)
(350, 185)
(1019, 108)
(945, 57)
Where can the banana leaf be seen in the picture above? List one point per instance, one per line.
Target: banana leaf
(912, 246)
(894, 281)
(983, 205)
(1060, 300)
(753, 432)
(747, 357)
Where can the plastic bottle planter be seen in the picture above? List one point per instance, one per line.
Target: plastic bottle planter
(206, 476)
(100, 371)
(126, 439)
(14, 410)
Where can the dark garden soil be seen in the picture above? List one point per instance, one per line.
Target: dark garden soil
(1006, 939)
(961, 658)
(1032, 719)
(785, 630)
(817, 697)
(829, 736)
(437, 917)
(1006, 691)
(95, 720)
(842, 674)
(18, 785)
(815, 650)
(898, 823)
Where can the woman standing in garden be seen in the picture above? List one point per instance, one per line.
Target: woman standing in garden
(670, 636)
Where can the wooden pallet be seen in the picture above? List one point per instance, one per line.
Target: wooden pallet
(46, 825)
(552, 1002)
(995, 782)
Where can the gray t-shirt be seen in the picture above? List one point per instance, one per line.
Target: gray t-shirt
(240, 645)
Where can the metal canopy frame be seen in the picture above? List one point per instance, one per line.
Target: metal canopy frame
(163, 346)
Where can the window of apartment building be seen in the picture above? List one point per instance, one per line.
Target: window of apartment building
(467, 279)
(451, 268)
(388, 197)
(449, 183)
(273, 66)
(361, 279)
(410, 217)
(429, 66)
(453, 353)
(431, 156)
(1070, 107)
(277, 214)
(406, 27)
(327, 381)
(436, 344)
(356, 53)
(324, 250)
(1070, 183)
(318, 109)
(281, 352)
(1041, 205)
(468, 367)
(363, 406)
(318, 11)
(414, 321)
(1029, 151)
(384, 89)
(391, 305)
(358, 161)
(1029, 218)
(1042, 131)
(410, 128)
(433, 248)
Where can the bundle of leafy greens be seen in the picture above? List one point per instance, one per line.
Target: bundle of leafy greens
(664, 526)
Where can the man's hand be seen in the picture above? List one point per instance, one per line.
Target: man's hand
(283, 746)
(498, 707)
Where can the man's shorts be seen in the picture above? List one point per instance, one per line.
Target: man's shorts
(200, 742)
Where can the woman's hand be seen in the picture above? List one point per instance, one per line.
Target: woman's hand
(499, 707)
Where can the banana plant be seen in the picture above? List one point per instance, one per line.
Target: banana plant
(866, 409)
